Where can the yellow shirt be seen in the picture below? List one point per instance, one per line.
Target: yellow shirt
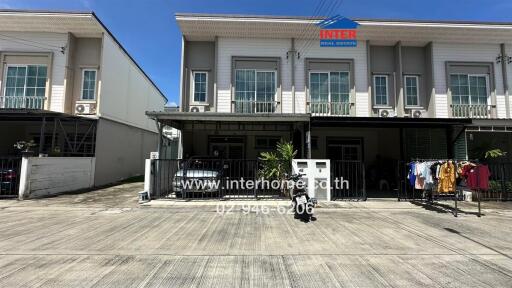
(446, 178)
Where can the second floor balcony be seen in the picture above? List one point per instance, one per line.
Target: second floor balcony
(22, 102)
(255, 106)
(474, 111)
(321, 108)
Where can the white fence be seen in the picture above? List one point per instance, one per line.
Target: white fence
(45, 176)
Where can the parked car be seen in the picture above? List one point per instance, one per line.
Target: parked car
(200, 176)
(8, 180)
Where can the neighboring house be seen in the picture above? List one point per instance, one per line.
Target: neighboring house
(68, 85)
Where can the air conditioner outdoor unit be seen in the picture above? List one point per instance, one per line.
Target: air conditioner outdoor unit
(85, 108)
(196, 109)
(416, 113)
(385, 113)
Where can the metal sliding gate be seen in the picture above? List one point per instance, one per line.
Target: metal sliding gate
(210, 178)
(348, 180)
(10, 170)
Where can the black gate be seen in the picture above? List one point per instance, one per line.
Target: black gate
(348, 180)
(210, 178)
(10, 170)
(500, 182)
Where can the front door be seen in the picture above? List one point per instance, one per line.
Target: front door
(227, 147)
(344, 149)
(346, 165)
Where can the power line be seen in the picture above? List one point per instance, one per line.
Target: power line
(311, 27)
(30, 41)
(335, 6)
(60, 49)
(302, 33)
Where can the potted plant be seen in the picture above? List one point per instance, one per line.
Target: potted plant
(277, 164)
(25, 147)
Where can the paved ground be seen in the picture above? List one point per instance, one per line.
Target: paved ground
(104, 238)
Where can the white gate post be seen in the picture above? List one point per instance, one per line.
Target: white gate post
(24, 188)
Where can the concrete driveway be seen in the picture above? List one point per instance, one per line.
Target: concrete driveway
(104, 238)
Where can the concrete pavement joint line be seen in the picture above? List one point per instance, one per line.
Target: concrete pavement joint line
(441, 243)
(244, 255)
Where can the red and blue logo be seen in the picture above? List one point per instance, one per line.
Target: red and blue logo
(338, 31)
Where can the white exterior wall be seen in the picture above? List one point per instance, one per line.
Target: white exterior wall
(46, 42)
(463, 52)
(508, 49)
(358, 54)
(253, 47)
(125, 93)
(52, 175)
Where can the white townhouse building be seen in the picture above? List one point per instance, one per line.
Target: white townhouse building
(408, 90)
(70, 87)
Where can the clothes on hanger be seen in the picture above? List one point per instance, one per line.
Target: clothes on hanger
(447, 177)
(477, 176)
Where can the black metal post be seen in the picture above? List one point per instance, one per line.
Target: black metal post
(41, 135)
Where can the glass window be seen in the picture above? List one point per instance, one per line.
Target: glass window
(25, 86)
(380, 84)
(89, 84)
(411, 91)
(200, 86)
(24, 80)
(319, 90)
(339, 84)
(255, 91)
(469, 89)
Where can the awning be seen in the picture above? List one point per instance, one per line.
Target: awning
(390, 122)
(178, 119)
(38, 115)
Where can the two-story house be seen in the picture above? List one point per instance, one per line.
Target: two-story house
(409, 89)
(70, 87)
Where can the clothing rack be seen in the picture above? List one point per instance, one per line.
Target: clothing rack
(454, 196)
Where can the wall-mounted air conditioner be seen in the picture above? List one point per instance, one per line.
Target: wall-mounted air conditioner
(85, 108)
(418, 113)
(384, 113)
(196, 108)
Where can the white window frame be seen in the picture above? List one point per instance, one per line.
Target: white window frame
(387, 105)
(488, 89)
(4, 88)
(95, 84)
(329, 99)
(205, 102)
(256, 81)
(417, 91)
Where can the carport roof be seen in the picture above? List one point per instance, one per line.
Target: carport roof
(176, 118)
(387, 122)
(172, 118)
(37, 115)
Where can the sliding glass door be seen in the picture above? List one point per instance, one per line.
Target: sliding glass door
(255, 91)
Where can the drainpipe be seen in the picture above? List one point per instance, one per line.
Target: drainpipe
(504, 62)
(292, 52)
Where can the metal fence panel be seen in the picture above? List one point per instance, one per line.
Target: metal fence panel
(208, 178)
(10, 170)
(354, 173)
